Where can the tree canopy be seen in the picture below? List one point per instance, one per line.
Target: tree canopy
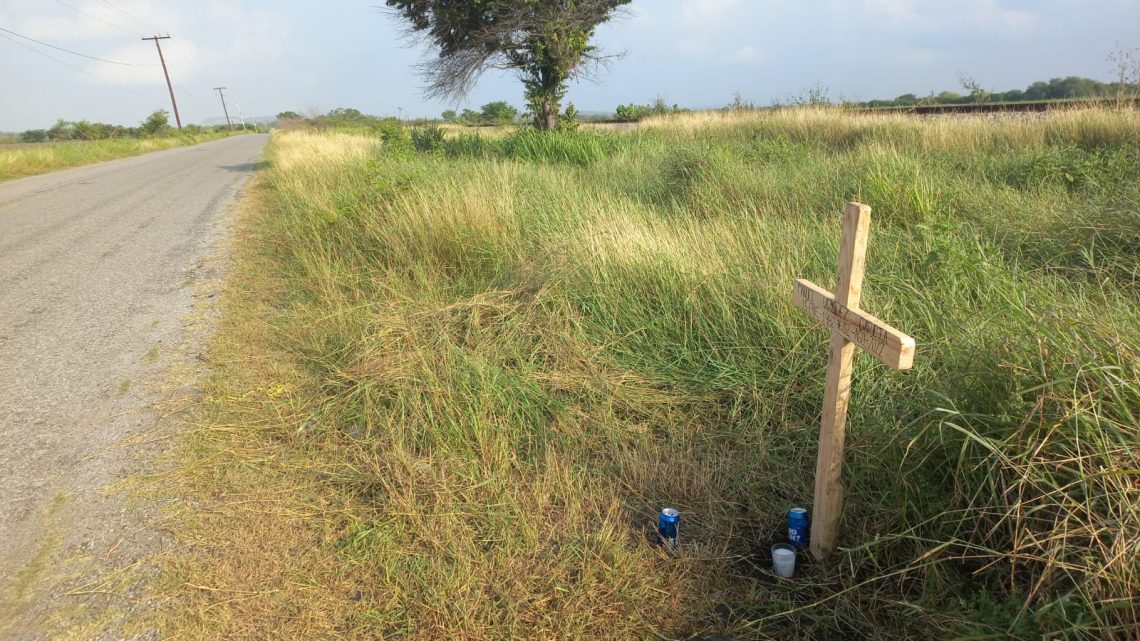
(546, 42)
(156, 124)
(499, 112)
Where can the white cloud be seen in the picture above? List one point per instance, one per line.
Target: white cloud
(947, 15)
(899, 12)
(251, 33)
(748, 53)
(918, 57)
(710, 27)
(205, 39)
(638, 14)
(204, 42)
(64, 29)
(699, 14)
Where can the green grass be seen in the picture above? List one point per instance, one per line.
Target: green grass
(18, 592)
(19, 160)
(452, 390)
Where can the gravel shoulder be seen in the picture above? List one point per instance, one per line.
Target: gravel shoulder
(98, 303)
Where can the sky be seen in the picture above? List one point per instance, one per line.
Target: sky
(316, 55)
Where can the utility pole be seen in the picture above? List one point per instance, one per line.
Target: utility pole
(224, 110)
(241, 117)
(177, 118)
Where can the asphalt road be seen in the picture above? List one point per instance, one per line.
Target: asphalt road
(97, 273)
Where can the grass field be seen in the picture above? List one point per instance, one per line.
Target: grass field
(451, 390)
(20, 160)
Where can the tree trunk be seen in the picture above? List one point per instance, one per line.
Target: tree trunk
(545, 95)
(547, 116)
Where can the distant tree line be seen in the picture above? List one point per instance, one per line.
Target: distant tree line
(156, 124)
(657, 107)
(389, 128)
(1070, 88)
(499, 112)
(340, 118)
(393, 130)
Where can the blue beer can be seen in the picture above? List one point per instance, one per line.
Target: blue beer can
(667, 524)
(798, 527)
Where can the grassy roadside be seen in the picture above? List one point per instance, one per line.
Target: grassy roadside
(20, 161)
(450, 390)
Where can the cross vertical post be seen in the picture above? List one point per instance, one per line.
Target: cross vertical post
(828, 504)
(850, 326)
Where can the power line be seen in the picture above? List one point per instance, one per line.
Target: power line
(176, 53)
(74, 53)
(147, 25)
(94, 17)
(182, 89)
(82, 71)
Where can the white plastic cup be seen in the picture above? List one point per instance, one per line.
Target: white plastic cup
(783, 560)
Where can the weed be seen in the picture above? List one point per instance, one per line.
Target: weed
(474, 378)
(428, 139)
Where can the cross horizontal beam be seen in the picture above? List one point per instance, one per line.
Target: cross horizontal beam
(892, 347)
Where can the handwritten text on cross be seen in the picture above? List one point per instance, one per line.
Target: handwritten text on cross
(889, 345)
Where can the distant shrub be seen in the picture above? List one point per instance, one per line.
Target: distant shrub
(34, 135)
(740, 103)
(657, 108)
(397, 139)
(428, 139)
(573, 147)
(531, 145)
(569, 120)
(386, 128)
(632, 112)
(156, 124)
(499, 112)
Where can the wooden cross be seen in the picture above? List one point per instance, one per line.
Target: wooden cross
(850, 326)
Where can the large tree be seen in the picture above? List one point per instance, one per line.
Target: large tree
(546, 42)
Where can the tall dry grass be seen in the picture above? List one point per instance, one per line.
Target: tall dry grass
(453, 389)
(19, 160)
